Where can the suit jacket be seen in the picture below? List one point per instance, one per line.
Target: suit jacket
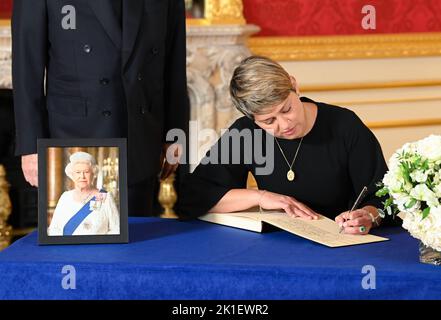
(98, 81)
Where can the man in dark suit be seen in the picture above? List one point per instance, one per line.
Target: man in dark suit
(112, 68)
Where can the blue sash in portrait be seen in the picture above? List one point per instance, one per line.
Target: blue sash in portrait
(78, 218)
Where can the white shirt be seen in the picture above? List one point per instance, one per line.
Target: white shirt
(104, 219)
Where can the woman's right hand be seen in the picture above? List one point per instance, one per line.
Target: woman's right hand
(29, 165)
(294, 208)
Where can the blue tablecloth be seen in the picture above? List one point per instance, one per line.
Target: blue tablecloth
(169, 259)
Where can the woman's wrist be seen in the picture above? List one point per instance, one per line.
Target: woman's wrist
(374, 215)
(259, 203)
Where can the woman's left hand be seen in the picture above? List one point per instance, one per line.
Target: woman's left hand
(356, 222)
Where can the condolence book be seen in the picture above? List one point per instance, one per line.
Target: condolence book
(323, 230)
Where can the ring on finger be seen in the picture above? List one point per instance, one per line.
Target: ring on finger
(362, 229)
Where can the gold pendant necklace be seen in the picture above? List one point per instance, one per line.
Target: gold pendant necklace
(290, 175)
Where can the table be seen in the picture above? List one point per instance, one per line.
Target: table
(170, 259)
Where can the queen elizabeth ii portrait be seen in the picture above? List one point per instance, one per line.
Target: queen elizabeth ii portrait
(84, 210)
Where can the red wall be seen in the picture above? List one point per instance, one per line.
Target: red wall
(341, 17)
(329, 17)
(5, 9)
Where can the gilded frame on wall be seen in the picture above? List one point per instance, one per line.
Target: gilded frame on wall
(220, 12)
(214, 12)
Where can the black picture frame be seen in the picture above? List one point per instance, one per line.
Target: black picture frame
(43, 237)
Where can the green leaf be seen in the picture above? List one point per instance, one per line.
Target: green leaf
(416, 163)
(425, 164)
(404, 168)
(388, 202)
(389, 210)
(410, 204)
(426, 213)
(382, 192)
(430, 178)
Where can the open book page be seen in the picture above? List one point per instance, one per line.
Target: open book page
(323, 230)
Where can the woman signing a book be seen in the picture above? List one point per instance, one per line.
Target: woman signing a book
(307, 157)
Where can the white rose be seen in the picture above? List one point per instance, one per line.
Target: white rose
(436, 215)
(430, 147)
(393, 181)
(402, 200)
(422, 192)
(409, 147)
(407, 186)
(427, 230)
(432, 200)
(394, 161)
(427, 222)
(437, 177)
(419, 176)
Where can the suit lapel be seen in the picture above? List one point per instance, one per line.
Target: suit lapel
(132, 14)
(105, 14)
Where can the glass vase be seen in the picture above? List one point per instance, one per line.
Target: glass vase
(429, 255)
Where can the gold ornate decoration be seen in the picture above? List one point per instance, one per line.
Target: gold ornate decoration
(110, 172)
(383, 101)
(371, 85)
(221, 12)
(167, 196)
(347, 47)
(5, 210)
(54, 179)
(403, 123)
(251, 181)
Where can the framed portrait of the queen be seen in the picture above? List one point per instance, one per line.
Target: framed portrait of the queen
(82, 194)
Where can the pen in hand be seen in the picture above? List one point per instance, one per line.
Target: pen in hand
(356, 203)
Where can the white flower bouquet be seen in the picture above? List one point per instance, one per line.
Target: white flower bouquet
(413, 186)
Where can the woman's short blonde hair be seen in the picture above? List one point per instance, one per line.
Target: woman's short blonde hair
(259, 83)
(81, 157)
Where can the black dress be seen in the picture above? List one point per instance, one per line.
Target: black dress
(337, 158)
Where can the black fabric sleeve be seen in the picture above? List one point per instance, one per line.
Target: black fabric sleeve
(208, 183)
(177, 108)
(366, 162)
(29, 59)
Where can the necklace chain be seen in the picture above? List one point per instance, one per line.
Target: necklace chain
(295, 156)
